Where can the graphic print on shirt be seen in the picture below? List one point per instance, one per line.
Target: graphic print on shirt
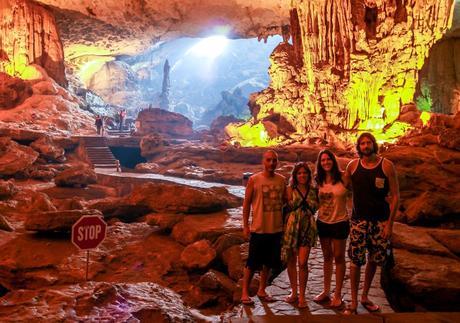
(272, 198)
(327, 203)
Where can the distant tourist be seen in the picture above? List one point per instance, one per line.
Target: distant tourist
(121, 117)
(333, 224)
(99, 125)
(300, 233)
(265, 195)
(373, 180)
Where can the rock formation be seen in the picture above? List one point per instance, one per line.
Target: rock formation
(350, 66)
(161, 121)
(28, 36)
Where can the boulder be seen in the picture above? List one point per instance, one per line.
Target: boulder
(422, 281)
(226, 241)
(56, 220)
(163, 122)
(235, 259)
(432, 208)
(153, 144)
(97, 301)
(7, 189)
(164, 221)
(199, 298)
(209, 226)
(449, 238)
(114, 207)
(77, 176)
(14, 157)
(215, 280)
(74, 203)
(48, 149)
(42, 174)
(198, 255)
(13, 91)
(26, 201)
(417, 240)
(176, 198)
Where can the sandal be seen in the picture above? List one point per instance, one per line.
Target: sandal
(247, 301)
(266, 298)
(370, 306)
(338, 305)
(321, 298)
(291, 299)
(350, 311)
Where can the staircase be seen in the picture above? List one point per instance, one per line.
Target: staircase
(99, 154)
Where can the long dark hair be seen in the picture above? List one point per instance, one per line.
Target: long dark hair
(321, 173)
(293, 181)
(371, 138)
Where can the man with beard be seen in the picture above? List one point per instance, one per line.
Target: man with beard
(265, 195)
(375, 202)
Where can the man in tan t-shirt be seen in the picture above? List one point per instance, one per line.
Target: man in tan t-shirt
(265, 195)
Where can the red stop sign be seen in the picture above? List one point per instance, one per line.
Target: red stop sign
(88, 232)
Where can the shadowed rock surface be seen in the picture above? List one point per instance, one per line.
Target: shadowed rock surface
(122, 302)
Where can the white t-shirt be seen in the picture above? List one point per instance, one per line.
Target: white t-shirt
(332, 203)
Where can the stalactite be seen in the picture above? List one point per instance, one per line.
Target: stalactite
(29, 36)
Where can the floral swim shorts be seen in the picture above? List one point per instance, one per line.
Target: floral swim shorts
(368, 235)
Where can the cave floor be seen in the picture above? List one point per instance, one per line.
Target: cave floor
(280, 287)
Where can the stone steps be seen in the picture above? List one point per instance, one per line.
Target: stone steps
(99, 154)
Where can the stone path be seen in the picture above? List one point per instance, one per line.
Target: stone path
(280, 289)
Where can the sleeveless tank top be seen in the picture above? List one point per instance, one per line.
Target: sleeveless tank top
(370, 188)
(332, 203)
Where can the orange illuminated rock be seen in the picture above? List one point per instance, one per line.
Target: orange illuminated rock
(198, 255)
(30, 36)
(14, 157)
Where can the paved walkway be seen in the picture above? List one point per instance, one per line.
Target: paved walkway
(280, 289)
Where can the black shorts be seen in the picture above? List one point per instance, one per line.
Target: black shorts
(264, 250)
(339, 230)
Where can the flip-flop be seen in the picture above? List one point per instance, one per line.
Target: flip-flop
(303, 304)
(370, 306)
(350, 311)
(322, 299)
(266, 298)
(291, 299)
(338, 305)
(247, 301)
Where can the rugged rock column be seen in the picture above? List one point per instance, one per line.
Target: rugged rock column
(28, 35)
(361, 57)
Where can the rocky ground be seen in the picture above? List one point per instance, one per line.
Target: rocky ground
(180, 240)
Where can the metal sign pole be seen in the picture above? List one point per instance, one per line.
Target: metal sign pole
(87, 262)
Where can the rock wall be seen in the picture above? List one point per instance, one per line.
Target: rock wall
(439, 86)
(356, 62)
(28, 35)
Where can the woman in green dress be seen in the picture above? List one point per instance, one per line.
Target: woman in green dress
(300, 233)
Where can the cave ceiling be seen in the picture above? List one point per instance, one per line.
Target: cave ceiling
(109, 27)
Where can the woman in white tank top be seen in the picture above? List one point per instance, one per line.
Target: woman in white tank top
(332, 223)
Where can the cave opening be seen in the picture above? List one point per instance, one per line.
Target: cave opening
(129, 157)
(200, 78)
